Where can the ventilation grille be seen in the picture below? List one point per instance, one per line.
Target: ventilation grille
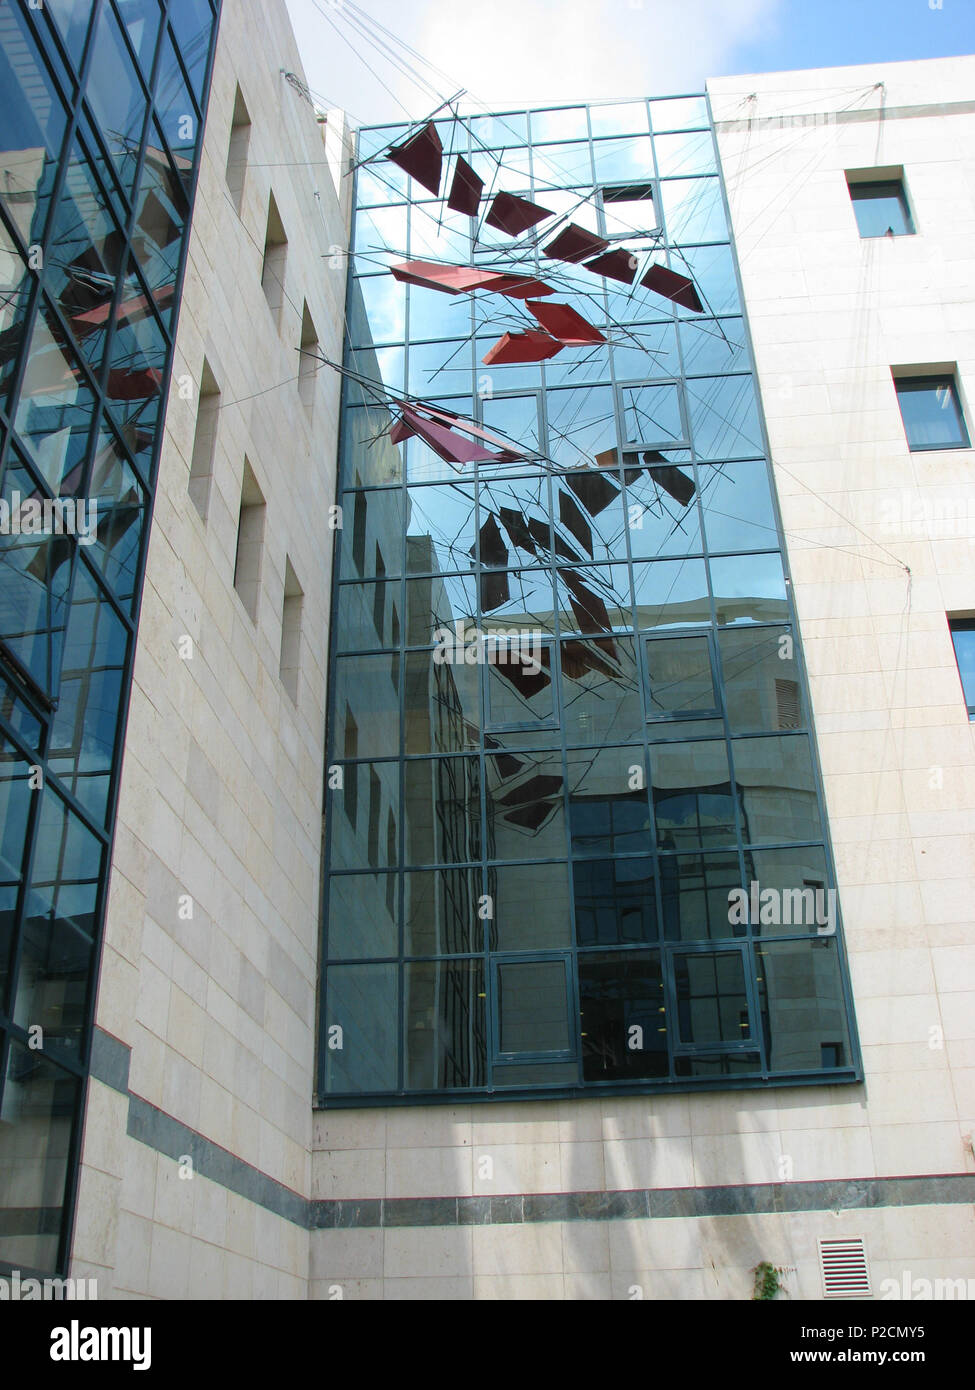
(843, 1264)
(787, 703)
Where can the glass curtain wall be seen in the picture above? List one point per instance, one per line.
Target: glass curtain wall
(101, 111)
(533, 865)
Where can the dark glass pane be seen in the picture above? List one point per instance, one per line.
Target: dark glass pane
(595, 600)
(623, 1018)
(174, 107)
(694, 210)
(378, 305)
(713, 345)
(679, 676)
(963, 637)
(15, 801)
(518, 683)
(712, 1006)
(72, 18)
(881, 209)
(762, 686)
(15, 295)
(141, 20)
(84, 728)
(441, 532)
(615, 901)
(192, 21)
(121, 502)
(662, 515)
(719, 1064)
(445, 1022)
(363, 915)
(671, 593)
(692, 795)
(372, 529)
(651, 416)
(535, 1074)
(36, 1119)
(85, 257)
(801, 900)
(368, 616)
(443, 706)
(608, 810)
(55, 409)
(533, 1007)
(724, 417)
(777, 787)
(360, 810)
(646, 351)
(737, 503)
(803, 1012)
(694, 890)
(443, 810)
(34, 581)
(514, 418)
(137, 359)
(749, 589)
(600, 690)
(116, 97)
(361, 1013)
(931, 413)
(713, 272)
(531, 907)
(32, 124)
(442, 912)
(161, 215)
(434, 607)
(514, 518)
(367, 691)
(581, 424)
(525, 806)
(368, 457)
(59, 926)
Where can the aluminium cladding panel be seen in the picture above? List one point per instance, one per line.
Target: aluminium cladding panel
(103, 109)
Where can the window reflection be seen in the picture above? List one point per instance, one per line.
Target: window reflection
(442, 810)
(623, 1017)
(533, 1007)
(608, 810)
(116, 97)
(525, 806)
(37, 1113)
(694, 892)
(803, 1011)
(778, 789)
(615, 901)
(692, 795)
(712, 1003)
(445, 1024)
(32, 125)
(441, 911)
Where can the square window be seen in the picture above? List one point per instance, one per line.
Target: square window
(533, 1007)
(880, 207)
(931, 412)
(963, 637)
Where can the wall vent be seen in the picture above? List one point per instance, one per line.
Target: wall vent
(843, 1265)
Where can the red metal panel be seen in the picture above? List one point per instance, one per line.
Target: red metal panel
(465, 189)
(422, 157)
(434, 275)
(522, 347)
(575, 244)
(618, 265)
(673, 286)
(514, 215)
(564, 323)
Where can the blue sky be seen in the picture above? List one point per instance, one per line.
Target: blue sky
(513, 52)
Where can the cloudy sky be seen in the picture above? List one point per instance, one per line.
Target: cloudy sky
(511, 52)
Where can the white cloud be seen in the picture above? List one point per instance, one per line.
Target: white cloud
(510, 52)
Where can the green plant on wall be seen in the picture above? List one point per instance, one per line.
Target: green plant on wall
(768, 1280)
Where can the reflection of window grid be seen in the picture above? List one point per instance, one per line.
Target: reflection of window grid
(711, 262)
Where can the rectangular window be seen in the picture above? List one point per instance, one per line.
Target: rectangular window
(240, 137)
(204, 441)
(375, 805)
(931, 412)
(350, 782)
(963, 637)
(250, 542)
(309, 361)
(275, 261)
(879, 202)
(291, 631)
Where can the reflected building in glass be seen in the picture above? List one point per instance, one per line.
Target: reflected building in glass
(101, 112)
(531, 863)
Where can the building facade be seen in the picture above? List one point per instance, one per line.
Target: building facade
(563, 892)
